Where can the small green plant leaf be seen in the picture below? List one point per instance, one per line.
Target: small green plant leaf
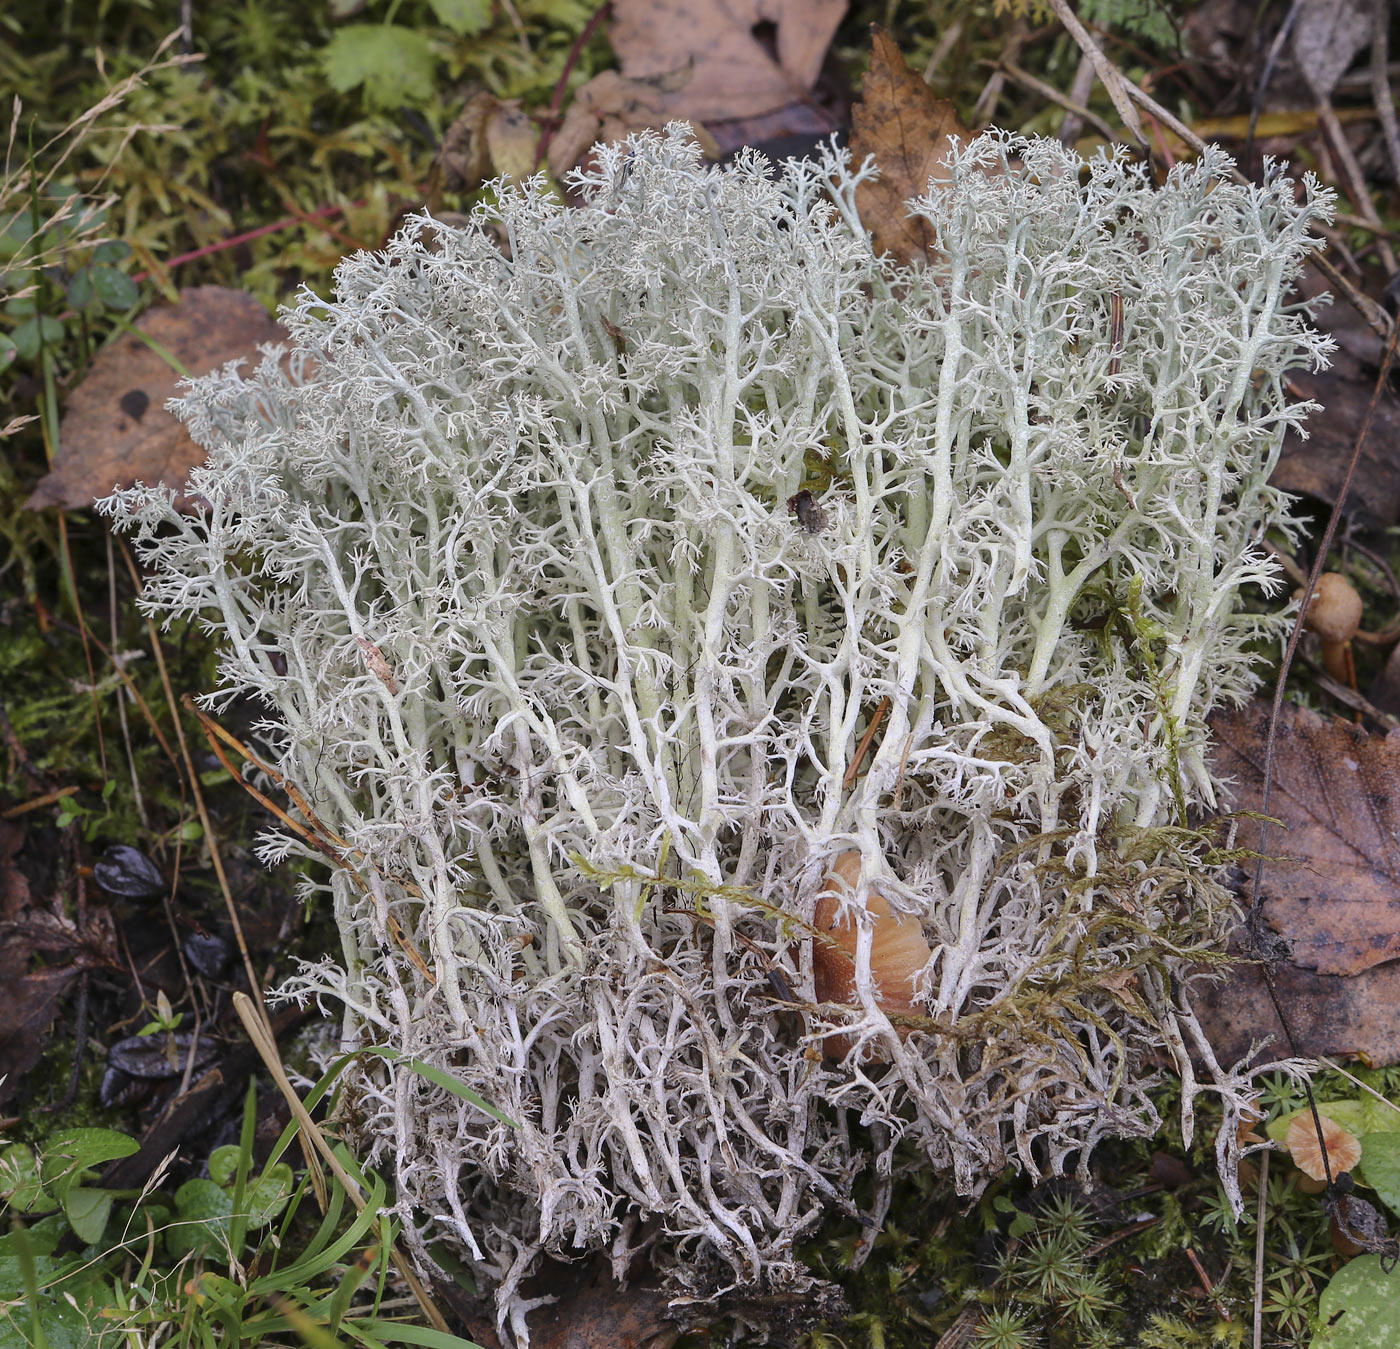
(223, 1164)
(1380, 1167)
(113, 250)
(268, 1195)
(69, 1153)
(20, 1185)
(115, 289)
(395, 65)
(203, 1209)
(87, 1210)
(1359, 1308)
(79, 289)
(464, 17)
(28, 337)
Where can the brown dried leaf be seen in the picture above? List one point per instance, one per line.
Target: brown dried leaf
(488, 138)
(733, 74)
(512, 140)
(30, 997)
(910, 131)
(610, 107)
(1316, 464)
(1328, 1014)
(1336, 895)
(377, 665)
(592, 1312)
(704, 62)
(116, 430)
(463, 159)
(1327, 36)
(1339, 903)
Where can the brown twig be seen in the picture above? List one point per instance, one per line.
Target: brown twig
(38, 803)
(868, 739)
(947, 40)
(1355, 179)
(1381, 93)
(1349, 697)
(1207, 1285)
(1048, 91)
(1072, 123)
(1109, 75)
(986, 106)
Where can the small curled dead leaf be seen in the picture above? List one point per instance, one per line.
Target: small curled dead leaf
(377, 665)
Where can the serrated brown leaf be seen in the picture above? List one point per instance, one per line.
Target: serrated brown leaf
(115, 429)
(910, 131)
(1336, 893)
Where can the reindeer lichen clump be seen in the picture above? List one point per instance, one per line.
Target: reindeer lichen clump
(573, 574)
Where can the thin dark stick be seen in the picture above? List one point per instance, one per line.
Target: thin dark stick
(1264, 77)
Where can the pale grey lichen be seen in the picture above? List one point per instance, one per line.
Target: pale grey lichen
(505, 549)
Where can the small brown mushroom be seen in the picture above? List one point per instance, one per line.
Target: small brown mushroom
(1335, 615)
(898, 951)
(1343, 1147)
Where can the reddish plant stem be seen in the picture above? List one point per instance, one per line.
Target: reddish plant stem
(603, 11)
(234, 240)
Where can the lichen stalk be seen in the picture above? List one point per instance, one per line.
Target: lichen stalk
(586, 701)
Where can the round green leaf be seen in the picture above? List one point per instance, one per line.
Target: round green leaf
(113, 250)
(1380, 1167)
(115, 289)
(27, 336)
(202, 1210)
(268, 1196)
(223, 1164)
(1359, 1309)
(79, 290)
(87, 1210)
(20, 1185)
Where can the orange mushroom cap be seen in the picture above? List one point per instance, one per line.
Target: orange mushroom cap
(1335, 611)
(1343, 1147)
(898, 951)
